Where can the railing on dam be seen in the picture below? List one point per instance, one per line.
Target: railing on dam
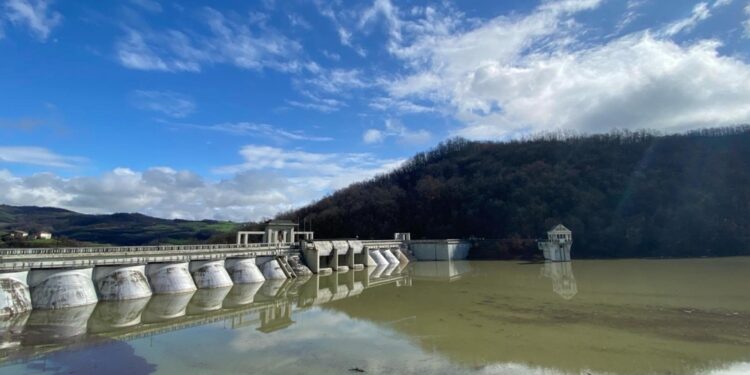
(382, 244)
(27, 258)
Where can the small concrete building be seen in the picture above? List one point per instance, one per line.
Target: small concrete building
(402, 236)
(275, 231)
(44, 235)
(557, 246)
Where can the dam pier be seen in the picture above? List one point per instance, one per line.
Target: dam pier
(55, 278)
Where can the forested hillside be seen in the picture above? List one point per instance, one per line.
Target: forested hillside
(624, 194)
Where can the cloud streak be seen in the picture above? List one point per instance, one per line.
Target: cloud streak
(37, 156)
(264, 130)
(168, 103)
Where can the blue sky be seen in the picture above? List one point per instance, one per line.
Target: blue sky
(232, 110)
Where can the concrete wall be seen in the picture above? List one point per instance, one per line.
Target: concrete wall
(440, 249)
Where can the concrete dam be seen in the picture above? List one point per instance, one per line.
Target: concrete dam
(57, 278)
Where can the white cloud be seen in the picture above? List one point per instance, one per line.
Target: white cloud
(373, 136)
(37, 156)
(311, 174)
(33, 14)
(244, 43)
(528, 73)
(161, 192)
(269, 181)
(721, 3)
(389, 13)
(395, 129)
(264, 130)
(165, 102)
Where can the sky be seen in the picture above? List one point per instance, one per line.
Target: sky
(236, 110)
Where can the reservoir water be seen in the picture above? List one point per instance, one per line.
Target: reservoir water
(609, 317)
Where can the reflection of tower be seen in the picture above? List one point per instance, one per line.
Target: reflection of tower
(275, 317)
(563, 280)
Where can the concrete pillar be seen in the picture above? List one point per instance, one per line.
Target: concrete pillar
(388, 255)
(402, 258)
(299, 268)
(167, 278)
(388, 271)
(241, 294)
(116, 283)
(61, 287)
(15, 297)
(243, 271)
(209, 274)
(113, 315)
(377, 256)
(312, 259)
(46, 327)
(272, 289)
(376, 272)
(272, 270)
(205, 300)
(163, 307)
(11, 329)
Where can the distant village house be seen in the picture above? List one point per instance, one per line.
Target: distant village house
(16, 235)
(44, 235)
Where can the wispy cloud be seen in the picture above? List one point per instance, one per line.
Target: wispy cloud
(395, 129)
(35, 15)
(746, 24)
(318, 88)
(263, 130)
(700, 12)
(149, 5)
(167, 103)
(631, 14)
(37, 156)
(223, 40)
(400, 105)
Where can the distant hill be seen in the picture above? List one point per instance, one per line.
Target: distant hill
(623, 194)
(115, 229)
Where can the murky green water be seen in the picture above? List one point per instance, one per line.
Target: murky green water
(588, 317)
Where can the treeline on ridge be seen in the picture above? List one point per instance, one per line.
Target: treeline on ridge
(623, 194)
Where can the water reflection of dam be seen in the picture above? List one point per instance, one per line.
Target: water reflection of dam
(268, 306)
